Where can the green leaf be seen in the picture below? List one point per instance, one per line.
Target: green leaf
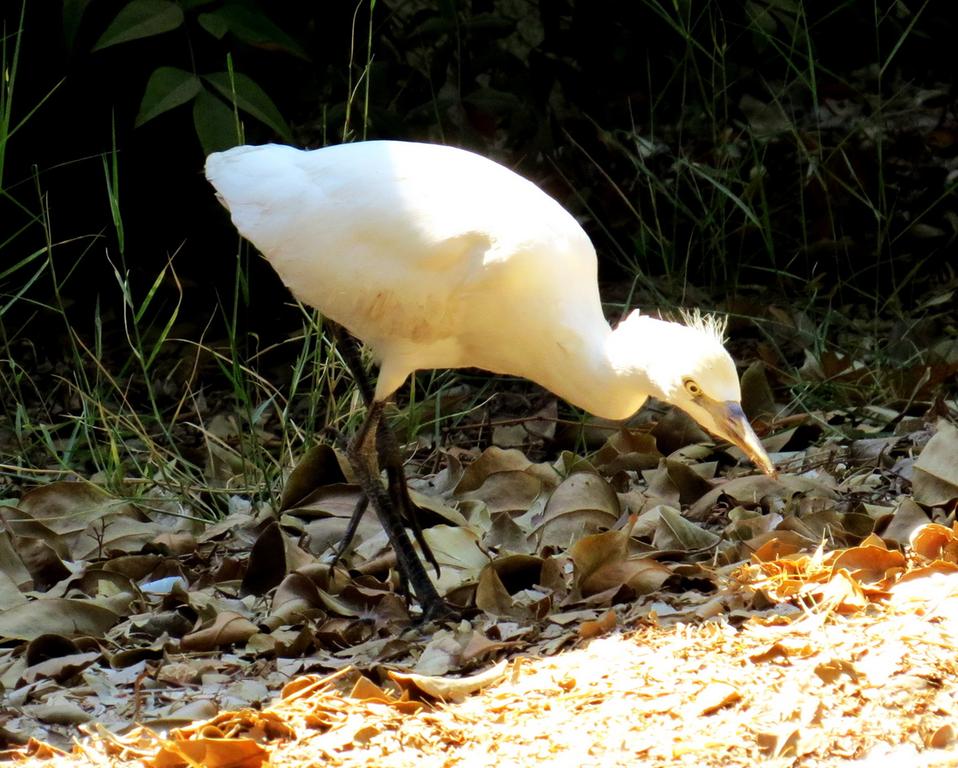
(215, 123)
(214, 24)
(141, 18)
(250, 98)
(72, 16)
(167, 88)
(252, 27)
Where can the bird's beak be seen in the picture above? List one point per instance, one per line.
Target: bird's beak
(732, 424)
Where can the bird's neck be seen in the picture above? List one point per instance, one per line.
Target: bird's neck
(589, 373)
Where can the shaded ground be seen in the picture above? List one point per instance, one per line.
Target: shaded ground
(805, 619)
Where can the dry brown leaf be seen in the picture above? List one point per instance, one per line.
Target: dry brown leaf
(777, 545)
(60, 668)
(491, 461)
(509, 491)
(582, 504)
(56, 616)
(714, 697)
(591, 552)
(941, 737)
(935, 480)
(227, 628)
(936, 542)
(751, 489)
(451, 688)
(627, 450)
(907, 517)
(757, 397)
(604, 624)
(782, 741)
(642, 575)
(675, 533)
(365, 689)
(504, 577)
(870, 563)
(831, 671)
(210, 753)
(267, 561)
(319, 467)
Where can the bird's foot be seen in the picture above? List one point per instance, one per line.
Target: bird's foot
(438, 611)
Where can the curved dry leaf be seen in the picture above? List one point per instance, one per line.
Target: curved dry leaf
(238, 526)
(757, 397)
(751, 489)
(113, 535)
(227, 628)
(58, 713)
(674, 532)
(444, 482)
(56, 616)
(41, 560)
(436, 505)
(642, 575)
(11, 566)
(676, 429)
(869, 563)
(175, 543)
(492, 596)
(491, 461)
(512, 491)
(365, 689)
(297, 594)
(103, 583)
(660, 485)
(459, 554)
(319, 467)
(139, 567)
(22, 526)
(68, 508)
(690, 485)
(905, 520)
(832, 670)
(267, 561)
(712, 698)
(60, 668)
(941, 737)
(333, 500)
(592, 552)
(603, 625)
(748, 524)
(210, 753)
(777, 544)
(479, 645)
(442, 654)
(841, 592)
(10, 594)
(627, 450)
(504, 533)
(450, 688)
(935, 479)
(567, 464)
(584, 503)
(935, 542)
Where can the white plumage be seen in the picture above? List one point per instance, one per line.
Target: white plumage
(439, 258)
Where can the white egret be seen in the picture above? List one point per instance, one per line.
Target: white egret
(437, 257)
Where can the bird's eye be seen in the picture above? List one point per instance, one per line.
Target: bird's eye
(692, 388)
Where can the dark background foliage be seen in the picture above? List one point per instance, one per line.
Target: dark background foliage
(640, 117)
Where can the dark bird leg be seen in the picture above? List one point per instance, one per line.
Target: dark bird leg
(394, 508)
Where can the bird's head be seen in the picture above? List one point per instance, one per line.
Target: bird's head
(687, 365)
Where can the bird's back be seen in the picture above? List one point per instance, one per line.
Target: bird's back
(435, 256)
